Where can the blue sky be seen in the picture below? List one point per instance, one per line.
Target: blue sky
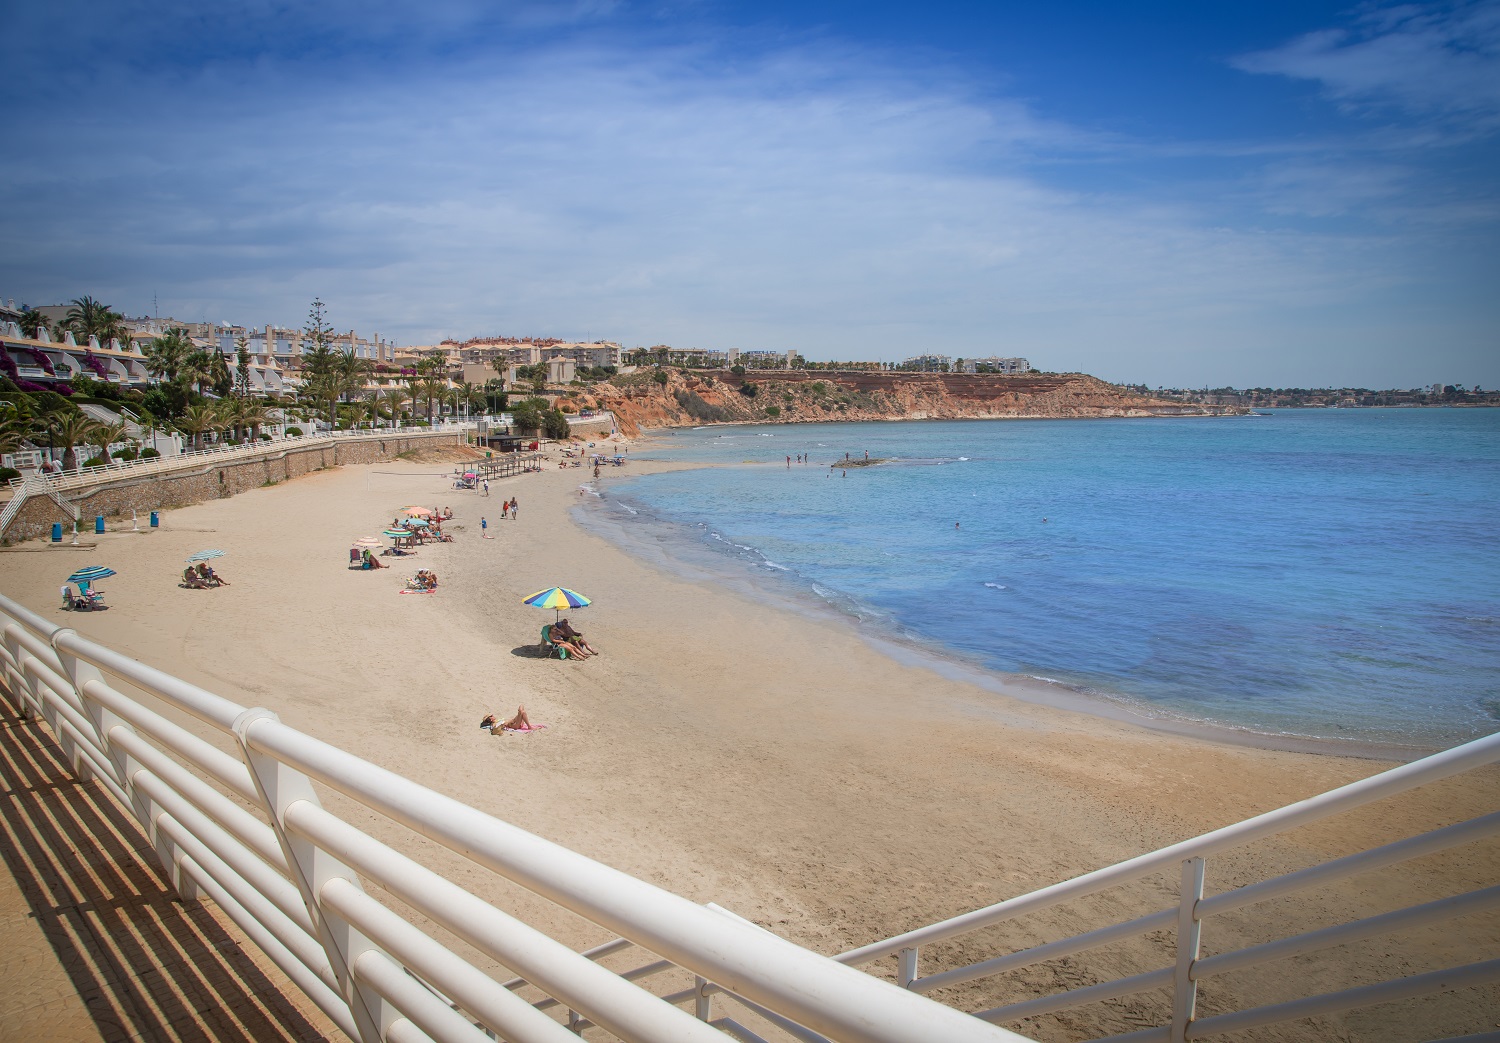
(1182, 194)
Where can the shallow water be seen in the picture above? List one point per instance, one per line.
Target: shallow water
(1326, 573)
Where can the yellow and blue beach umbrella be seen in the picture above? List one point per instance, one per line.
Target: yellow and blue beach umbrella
(557, 599)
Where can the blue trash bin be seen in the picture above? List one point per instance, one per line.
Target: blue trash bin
(57, 532)
(98, 523)
(155, 521)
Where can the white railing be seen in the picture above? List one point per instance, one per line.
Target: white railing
(82, 476)
(240, 822)
(1186, 919)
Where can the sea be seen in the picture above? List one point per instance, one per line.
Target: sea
(1327, 574)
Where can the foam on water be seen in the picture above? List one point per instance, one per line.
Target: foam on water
(1319, 573)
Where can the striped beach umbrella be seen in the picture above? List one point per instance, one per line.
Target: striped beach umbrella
(205, 555)
(368, 541)
(557, 599)
(396, 534)
(89, 573)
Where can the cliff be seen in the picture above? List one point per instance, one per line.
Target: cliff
(693, 398)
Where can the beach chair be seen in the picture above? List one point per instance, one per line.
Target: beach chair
(355, 558)
(551, 647)
(70, 603)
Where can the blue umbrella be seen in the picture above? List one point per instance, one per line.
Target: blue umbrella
(205, 555)
(89, 573)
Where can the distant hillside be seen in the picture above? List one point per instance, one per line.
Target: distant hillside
(691, 398)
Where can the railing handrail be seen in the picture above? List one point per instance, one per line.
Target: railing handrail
(67, 676)
(1477, 753)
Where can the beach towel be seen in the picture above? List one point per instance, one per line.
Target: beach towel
(524, 731)
(405, 590)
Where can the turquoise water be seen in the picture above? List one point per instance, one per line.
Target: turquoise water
(1328, 573)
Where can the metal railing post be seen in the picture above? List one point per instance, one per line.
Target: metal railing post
(1189, 935)
(703, 1002)
(906, 967)
(146, 809)
(310, 868)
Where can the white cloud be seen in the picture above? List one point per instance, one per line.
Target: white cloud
(1430, 61)
(813, 196)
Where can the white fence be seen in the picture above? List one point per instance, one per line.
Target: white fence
(1188, 918)
(241, 823)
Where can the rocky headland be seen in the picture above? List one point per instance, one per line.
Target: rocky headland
(691, 398)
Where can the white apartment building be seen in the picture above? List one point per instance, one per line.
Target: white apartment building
(995, 364)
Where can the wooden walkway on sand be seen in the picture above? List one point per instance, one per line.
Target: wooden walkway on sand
(96, 945)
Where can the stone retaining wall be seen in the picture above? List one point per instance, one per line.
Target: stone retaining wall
(119, 495)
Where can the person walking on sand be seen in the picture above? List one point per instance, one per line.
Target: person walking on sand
(515, 509)
(486, 487)
(484, 527)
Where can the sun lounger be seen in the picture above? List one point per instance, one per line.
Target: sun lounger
(551, 647)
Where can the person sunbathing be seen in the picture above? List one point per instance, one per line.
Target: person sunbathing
(371, 562)
(562, 628)
(192, 580)
(209, 576)
(519, 723)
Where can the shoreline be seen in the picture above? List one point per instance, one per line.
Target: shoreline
(950, 663)
(722, 748)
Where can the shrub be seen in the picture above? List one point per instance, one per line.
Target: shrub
(773, 411)
(7, 473)
(147, 454)
(694, 406)
(264, 437)
(96, 461)
(748, 390)
(555, 424)
(738, 371)
(126, 454)
(660, 376)
(294, 432)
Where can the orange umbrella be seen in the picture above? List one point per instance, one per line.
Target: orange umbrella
(417, 512)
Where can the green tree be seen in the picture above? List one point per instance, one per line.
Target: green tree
(197, 421)
(394, 398)
(219, 377)
(527, 414)
(242, 367)
(89, 318)
(32, 323)
(166, 354)
(69, 428)
(555, 424)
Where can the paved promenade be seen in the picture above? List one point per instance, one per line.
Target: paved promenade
(94, 944)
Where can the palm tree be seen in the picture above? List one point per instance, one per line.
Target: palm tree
(468, 393)
(231, 411)
(106, 435)
(32, 323)
(253, 414)
(394, 398)
(70, 428)
(166, 354)
(89, 318)
(197, 369)
(196, 421)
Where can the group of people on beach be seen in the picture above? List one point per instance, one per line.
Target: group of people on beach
(425, 579)
(564, 636)
(202, 578)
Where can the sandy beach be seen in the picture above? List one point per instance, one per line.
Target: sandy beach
(779, 765)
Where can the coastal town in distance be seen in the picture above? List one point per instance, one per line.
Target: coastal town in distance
(87, 352)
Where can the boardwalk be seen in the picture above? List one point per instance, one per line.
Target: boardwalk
(95, 944)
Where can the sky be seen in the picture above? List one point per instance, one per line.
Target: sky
(1181, 194)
